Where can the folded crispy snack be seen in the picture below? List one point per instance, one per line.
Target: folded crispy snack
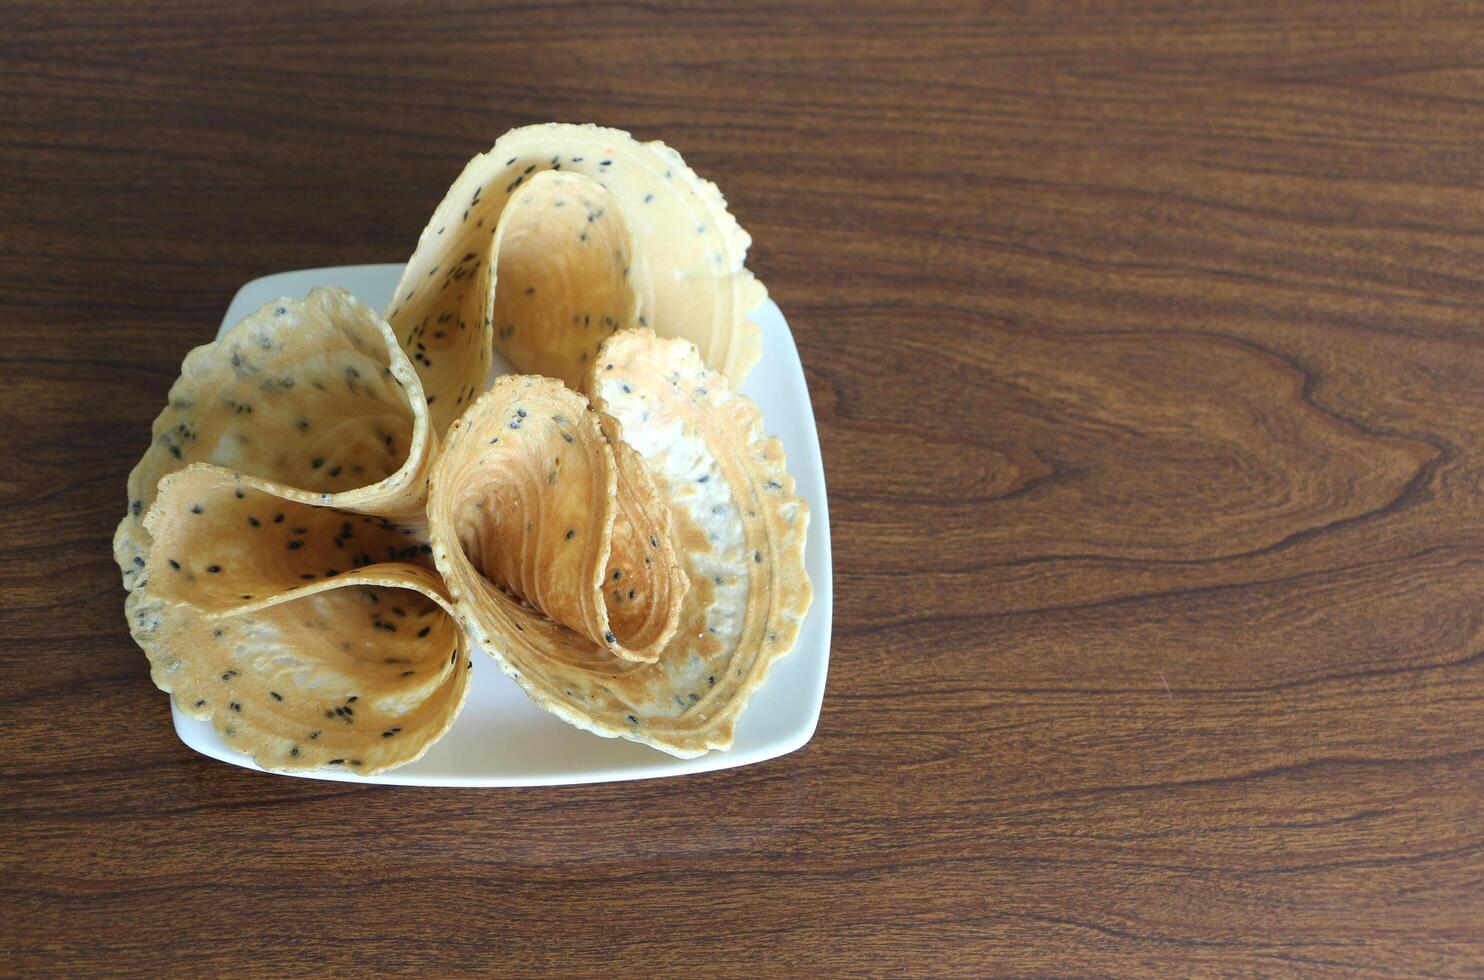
(314, 395)
(533, 509)
(281, 585)
(735, 529)
(554, 239)
(309, 635)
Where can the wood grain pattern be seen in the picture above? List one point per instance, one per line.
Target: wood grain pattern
(1145, 345)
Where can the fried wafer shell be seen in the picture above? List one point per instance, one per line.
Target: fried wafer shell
(555, 238)
(526, 499)
(738, 533)
(310, 636)
(314, 395)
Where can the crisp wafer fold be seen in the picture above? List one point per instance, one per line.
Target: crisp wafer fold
(310, 636)
(314, 395)
(276, 549)
(737, 529)
(525, 506)
(556, 238)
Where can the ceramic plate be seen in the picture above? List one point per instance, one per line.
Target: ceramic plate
(500, 737)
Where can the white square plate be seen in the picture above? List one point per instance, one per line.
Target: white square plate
(500, 737)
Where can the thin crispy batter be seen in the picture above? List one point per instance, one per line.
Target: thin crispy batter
(280, 593)
(526, 500)
(738, 531)
(310, 636)
(314, 395)
(555, 238)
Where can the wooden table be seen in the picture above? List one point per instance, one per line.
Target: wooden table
(1145, 344)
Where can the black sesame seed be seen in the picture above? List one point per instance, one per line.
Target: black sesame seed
(570, 532)
(236, 707)
(294, 545)
(276, 695)
(196, 509)
(213, 569)
(254, 521)
(757, 556)
(278, 518)
(617, 575)
(608, 635)
(139, 561)
(423, 632)
(173, 563)
(335, 762)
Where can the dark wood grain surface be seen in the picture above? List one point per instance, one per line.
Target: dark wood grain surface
(1145, 344)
